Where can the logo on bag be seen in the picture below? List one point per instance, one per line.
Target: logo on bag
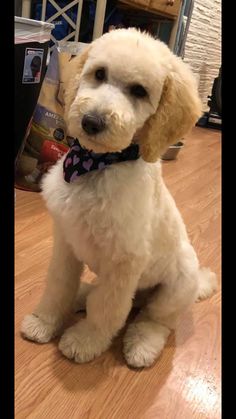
(32, 65)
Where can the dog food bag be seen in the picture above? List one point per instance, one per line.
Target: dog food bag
(31, 50)
(47, 140)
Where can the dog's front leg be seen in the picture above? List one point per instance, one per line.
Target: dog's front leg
(108, 306)
(59, 295)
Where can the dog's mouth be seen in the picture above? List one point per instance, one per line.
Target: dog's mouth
(95, 134)
(101, 134)
(104, 142)
(95, 144)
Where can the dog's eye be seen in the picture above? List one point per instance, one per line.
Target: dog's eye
(100, 74)
(138, 91)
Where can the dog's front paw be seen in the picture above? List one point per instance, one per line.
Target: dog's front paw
(83, 342)
(36, 329)
(143, 345)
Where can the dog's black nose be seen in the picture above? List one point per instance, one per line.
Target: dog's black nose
(93, 123)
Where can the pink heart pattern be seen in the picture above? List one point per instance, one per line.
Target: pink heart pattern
(68, 161)
(101, 165)
(80, 161)
(74, 176)
(76, 160)
(87, 164)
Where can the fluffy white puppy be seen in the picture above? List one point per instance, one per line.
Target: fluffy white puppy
(121, 221)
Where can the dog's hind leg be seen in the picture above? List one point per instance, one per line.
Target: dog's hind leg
(207, 284)
(146, 336)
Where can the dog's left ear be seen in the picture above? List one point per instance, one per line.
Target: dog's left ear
(178, 111)
(71, 84)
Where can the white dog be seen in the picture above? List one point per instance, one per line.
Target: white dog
(125, 88)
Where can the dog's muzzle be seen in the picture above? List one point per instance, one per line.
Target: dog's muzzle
(93, 123)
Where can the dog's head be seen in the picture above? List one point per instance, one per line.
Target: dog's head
(127, 86)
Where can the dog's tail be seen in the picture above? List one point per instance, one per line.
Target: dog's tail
(207, 284)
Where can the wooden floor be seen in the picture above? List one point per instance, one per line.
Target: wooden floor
(185, 381)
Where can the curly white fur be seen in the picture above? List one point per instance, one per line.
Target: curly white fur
(122, 221)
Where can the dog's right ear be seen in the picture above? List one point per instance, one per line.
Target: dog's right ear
(178, 111)
(71, 85)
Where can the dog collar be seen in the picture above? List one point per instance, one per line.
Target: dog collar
(80, 161)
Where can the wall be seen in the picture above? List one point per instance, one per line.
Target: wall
(203, 44)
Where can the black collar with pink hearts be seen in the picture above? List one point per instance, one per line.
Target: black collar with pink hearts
(80, 161)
